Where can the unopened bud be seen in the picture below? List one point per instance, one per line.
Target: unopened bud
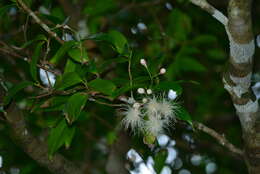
(143, 62)
(162, 71)
(140, 90)
(149, 91)
(136, 105)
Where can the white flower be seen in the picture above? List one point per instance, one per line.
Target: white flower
(153, 106)
(149, 91)
(172, 94)
(154, 126)
(133, 118)
(47, 78)
(141, 90)
(162, 71)
(168, 109)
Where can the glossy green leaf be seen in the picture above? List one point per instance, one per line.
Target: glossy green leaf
(159, 160)
(115, 38)
(79, 54)
(184, 115)
(69, 136)
(67, 80)
(35, 57)
(61, 52)
(60, 135)
(74, 106)
(70, 66)
(118, 40)
(15, 89)
(103, 86)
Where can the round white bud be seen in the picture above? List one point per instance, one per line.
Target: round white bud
(144, 100)
(143, 62)
(149, 91)
(162, 71)
(136, 105)
(140, 90)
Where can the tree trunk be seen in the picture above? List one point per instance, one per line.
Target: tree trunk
(252, 149)
(237, 79)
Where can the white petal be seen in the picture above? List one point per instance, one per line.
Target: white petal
(172, 94)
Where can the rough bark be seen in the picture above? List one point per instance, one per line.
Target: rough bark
(237, 79)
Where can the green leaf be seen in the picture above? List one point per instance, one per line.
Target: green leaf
(204, 39)
(70, 66)
(59, 135)
(69, 136)
(103, 86)
(190, 65)
(39, 37)
(159, 160)
(15, 89)
(62, 51)
(184, 115)
(179, 25)
(118, 40)
(115, 38)
(74, 106)
(79, 54)
(167, 85)
(35, 57)
(99, 7)
(67, 80)
(216, 54)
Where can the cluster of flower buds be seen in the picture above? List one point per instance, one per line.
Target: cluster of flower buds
(143, 91)
(143, 62)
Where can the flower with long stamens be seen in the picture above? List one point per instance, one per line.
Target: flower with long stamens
(133, 119)
(154, 126)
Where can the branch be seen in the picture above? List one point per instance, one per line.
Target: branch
(220, 138)
(39, 21)
(211, 10)
(35, 148)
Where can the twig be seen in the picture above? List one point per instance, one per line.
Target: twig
(211, 10)
(14, 54)
(39, 21)
(220, 138)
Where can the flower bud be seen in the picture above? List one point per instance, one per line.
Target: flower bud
(136, 105)
(162, 71)
(140, 90)
(143, 62)
(144, 100)
(149, 91)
